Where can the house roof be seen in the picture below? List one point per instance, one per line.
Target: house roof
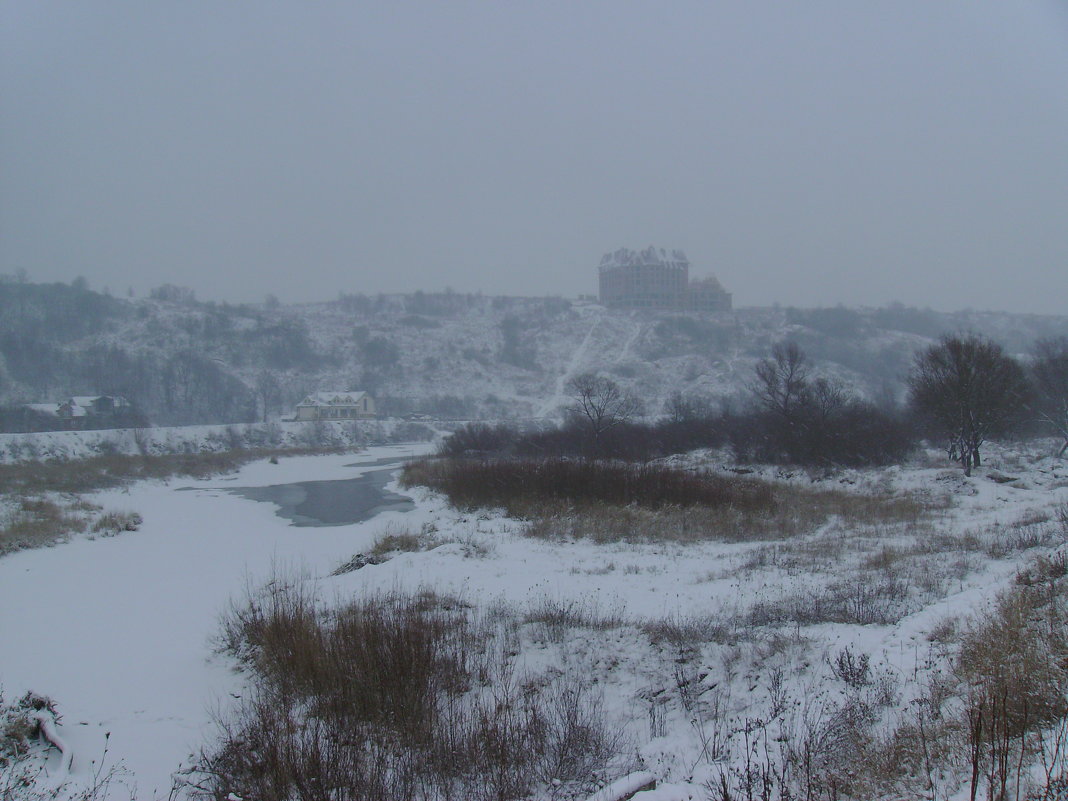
(73, 409)
(77, 406)
(90, 400)
(335, 398)
(43, 408)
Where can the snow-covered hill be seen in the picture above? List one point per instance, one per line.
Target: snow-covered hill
(447, 354)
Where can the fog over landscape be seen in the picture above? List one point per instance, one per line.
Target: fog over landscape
(808, 154)
(533, 401)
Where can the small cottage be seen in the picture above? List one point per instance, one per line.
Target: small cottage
(93, 406)
(78, 413)
(351, 405)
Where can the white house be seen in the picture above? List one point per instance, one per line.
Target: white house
(346, 405)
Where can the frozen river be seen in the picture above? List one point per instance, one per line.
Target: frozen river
(336, 502)
(118, 630)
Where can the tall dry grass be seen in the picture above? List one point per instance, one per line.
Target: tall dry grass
(612, 502)
(991, 723)
(111, 470)
(395, 696)
(521, 485)
(42, 500)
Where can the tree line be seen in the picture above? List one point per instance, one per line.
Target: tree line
(963, 391)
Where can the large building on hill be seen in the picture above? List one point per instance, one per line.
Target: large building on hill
(655, 279)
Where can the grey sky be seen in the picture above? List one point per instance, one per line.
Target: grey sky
(808, 153)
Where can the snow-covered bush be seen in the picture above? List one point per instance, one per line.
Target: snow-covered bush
(35, 521)
(852, 668)
(113, 522)
(18, 729)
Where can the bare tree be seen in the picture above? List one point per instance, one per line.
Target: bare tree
(681, 408)
(601, 402)
(971, 390)
(268, 391)
(1049, 374)
(782, 381)
(805, 413)
(826, 398)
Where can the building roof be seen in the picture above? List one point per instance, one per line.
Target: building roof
(650, 256)
(90, 400)
(76, 406)
(709, 283)
(335, 398)
(43, 408)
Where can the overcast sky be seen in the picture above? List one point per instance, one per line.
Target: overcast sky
(807, 153)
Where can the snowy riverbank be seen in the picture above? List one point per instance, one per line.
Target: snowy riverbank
(690, 645)
(69, 445)
(117, 630)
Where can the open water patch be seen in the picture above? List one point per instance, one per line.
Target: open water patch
(336, 502)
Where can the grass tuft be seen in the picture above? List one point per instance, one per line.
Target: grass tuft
(112, 523)
(395, 695)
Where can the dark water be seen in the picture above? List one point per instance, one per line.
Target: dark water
(333, 503)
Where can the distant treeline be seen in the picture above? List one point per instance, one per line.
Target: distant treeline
(963, 391)
(863, 436)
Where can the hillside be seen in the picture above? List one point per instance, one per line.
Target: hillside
(452, 355)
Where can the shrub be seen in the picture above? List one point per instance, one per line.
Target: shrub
(688, 631)
(1012, 667)
(523, 485)
(558, 616)
(36, 522)
(856, 601)
(852, 668)
(479, 438)
(395, 539)
(111, 523)
(394, 696)
(609, 502)
(17, 729)
(856, 435)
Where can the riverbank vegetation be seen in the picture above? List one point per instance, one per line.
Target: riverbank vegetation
(42, 503)
(963, 391)
(609, 502)
(444, 710)
(441, 709)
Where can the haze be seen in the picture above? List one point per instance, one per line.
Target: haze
(805, 153)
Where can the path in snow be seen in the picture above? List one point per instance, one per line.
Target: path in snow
(577, 358)
(625, 351)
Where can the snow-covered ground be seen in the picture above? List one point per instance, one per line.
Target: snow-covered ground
(118, 630)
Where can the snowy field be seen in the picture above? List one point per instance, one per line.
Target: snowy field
(117, 630)
(691, 645)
